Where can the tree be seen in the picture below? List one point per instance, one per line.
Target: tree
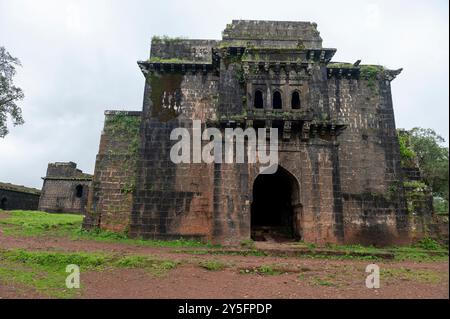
(432, 158)
(9, 94)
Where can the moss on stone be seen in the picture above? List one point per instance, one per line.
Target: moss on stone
(341, 65)
(167, 40)
(169, 60)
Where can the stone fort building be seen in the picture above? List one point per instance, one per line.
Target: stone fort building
(339, 177)
(14, 197)
(65, 189)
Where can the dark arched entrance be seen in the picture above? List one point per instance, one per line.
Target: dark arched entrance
(79, 191)
(3, 203)
(275, 207)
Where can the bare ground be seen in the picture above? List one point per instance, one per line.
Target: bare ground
(304, 277)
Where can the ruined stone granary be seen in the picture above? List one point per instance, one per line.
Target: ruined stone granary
(339, 178)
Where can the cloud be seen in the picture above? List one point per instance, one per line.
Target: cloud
(79, 58)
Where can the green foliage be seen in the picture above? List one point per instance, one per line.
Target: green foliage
(213, 265)
(428, 243)
(267, 270)
(86, 260)
(155, 266)
(46, 271)
(248, 243)
(128, 187)
(37, 223)
(328, 281)
(48, 281)
(440, 205)
(125, 126)
(415, 185)
(370, 73)
(341, 65)
(9, 93)
(407, 154)
(168, 60)
(433, 159)
(407, 274)
(167, 39)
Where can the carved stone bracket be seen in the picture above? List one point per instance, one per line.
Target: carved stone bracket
(305, 131)
(287, 130)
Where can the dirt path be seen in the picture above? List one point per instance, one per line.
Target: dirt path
(193, 282)
(315, 278)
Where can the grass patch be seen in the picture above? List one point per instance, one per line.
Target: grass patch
(327, 281)
(48, 281)
(156, 267)
(45, 272)
(426, 250)
(226, 252)
(424, 276)
(213, 265)
(248, 243)
(55, 259)
(266, 270)
(37, 223)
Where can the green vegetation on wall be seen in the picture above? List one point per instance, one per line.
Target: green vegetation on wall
(371, 73)
(125, 128)
(167, 40)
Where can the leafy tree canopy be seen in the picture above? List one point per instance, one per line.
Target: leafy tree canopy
(425, 145)
(9, 94)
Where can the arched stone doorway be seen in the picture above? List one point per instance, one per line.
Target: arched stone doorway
(3, 203)
(275, 209)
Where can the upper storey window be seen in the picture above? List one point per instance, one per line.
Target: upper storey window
(258, 101)
(295, 101)
(277, 103)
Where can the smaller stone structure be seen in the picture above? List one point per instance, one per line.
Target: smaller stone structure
(65, 188)
(18, 197)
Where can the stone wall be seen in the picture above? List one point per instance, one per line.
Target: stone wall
(111, 196)
(369, 162)
(18, 197)
(173, 200)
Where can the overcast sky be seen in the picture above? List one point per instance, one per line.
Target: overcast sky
(79, 59)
